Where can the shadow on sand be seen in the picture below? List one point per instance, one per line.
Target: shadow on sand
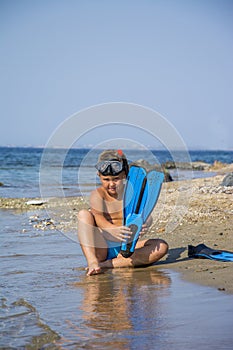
(174, 256)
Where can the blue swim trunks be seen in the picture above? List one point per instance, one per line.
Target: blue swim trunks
(113, 250)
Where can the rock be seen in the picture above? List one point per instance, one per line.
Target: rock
(143, 163)
(201, 166)
(228, 180)
(169, 165)
(1, 184)
(167, 176)
(36, 202)
(217, 165)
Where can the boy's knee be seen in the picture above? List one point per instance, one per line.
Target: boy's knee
(84, 215)
(160, 246)
(163, 247)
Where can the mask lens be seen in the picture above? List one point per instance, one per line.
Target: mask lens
(102, 166)
(109, 167)
(116, 167)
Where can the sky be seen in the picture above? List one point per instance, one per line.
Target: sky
(58, 58)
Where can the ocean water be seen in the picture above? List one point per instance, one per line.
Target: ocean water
(30, 172)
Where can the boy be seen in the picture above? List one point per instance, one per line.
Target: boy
(100, 229)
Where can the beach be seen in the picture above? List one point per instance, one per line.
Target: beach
(188, 212)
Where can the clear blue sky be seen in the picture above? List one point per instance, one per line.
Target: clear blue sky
(174, 56)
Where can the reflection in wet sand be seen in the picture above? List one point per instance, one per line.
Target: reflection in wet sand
(118, 304)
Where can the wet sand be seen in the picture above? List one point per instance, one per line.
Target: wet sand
(48, 302)
(188, 212)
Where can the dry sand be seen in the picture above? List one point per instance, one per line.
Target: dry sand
(188, 212)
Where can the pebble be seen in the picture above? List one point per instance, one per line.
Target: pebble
(215, 189)
(42, 224)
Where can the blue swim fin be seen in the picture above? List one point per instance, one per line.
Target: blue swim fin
(141, 194)
(204, 252)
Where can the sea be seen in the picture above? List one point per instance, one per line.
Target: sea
(48, 302)
(32, 172)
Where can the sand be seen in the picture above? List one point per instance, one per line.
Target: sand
(188, 212)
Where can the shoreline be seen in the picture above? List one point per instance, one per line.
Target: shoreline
(188, 212)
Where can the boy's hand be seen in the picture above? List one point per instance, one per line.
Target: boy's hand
(122, 233)
(146, 225)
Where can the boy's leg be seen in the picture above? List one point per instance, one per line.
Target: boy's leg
(92, 242)
(147, 252)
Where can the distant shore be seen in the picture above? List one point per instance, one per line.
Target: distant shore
(188, 212)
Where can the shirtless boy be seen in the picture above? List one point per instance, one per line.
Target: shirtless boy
(100, 229)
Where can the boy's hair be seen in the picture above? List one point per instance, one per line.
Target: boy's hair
(118, 155)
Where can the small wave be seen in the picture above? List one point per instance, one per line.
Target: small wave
(22, 327)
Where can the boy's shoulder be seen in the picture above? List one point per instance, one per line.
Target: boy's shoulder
(98, 192)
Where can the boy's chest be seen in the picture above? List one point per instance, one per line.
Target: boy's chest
(114, 210)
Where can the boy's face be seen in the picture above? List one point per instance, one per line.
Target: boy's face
(113, 184)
